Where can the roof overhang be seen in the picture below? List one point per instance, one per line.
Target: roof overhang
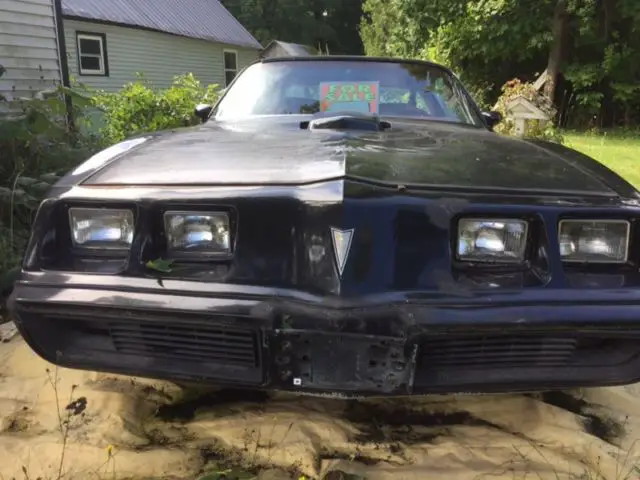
(520, 107)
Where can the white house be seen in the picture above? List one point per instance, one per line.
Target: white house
(105, 43)
(30, 51)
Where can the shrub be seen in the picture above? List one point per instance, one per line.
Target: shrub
(36, 147)
(535, 128)
(138, 107)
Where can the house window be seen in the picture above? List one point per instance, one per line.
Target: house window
(230, 66)
(92, 54)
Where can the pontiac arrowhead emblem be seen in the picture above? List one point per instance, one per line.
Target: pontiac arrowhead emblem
(341, 245)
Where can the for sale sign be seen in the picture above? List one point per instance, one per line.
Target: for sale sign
(349, 96)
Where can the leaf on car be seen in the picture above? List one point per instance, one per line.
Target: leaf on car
(160, 265)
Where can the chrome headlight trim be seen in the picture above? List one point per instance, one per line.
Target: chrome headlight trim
(202, 252)
(627, 238)
(127, 226)
(520, 254)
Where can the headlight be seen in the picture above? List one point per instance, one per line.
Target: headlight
(599, 241)
(199, 232)
(101, 228)
(491, 240)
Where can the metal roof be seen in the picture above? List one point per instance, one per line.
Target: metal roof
(293, 49)
(203, 19)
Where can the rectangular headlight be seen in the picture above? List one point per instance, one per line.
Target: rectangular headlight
(596, 241)
(101, 228)
(198, 232)
(492, 240)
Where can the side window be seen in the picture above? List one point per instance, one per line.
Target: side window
(230, 66)
(394, 95)
(449, 99)
(399, 100)
(422, 104)
(92, 54)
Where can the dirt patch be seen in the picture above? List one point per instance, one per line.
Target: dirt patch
(122, 427)
(185, 409)
(595, 424)
(383, 423)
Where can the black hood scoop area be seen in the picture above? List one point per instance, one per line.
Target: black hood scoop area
(360, 122)
(339, 144)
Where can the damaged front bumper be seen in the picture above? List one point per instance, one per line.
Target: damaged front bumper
(392, 344)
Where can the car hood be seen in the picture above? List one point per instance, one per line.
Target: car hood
(411, 153)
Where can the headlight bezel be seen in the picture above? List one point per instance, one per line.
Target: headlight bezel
(587, 220)
(198, 255)
(489, 262)
(101, 249)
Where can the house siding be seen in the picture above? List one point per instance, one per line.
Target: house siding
(28, 47)
(159, 56)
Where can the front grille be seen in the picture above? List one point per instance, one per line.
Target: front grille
(207, 345)
(526, 361)
(497, 351)
(196, 343)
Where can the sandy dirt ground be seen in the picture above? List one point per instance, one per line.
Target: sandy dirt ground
(59, 423)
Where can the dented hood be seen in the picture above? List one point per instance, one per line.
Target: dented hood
(410, 153)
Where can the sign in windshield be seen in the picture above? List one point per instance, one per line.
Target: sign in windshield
(349, 96)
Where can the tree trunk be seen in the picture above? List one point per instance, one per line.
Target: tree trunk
(607, 16)
(607, 108)
(627, 115)
(559, 31)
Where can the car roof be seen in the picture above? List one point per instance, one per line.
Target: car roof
(352, 58)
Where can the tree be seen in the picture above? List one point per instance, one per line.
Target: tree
(486, 42)
(329, 24)
(591, 49)
(557, 52)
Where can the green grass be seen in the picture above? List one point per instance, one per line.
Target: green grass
(618, 151)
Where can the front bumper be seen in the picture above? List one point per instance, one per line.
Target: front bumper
(394, 344)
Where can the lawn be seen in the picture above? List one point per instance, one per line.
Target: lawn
(620, 152)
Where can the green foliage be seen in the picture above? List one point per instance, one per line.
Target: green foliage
(490, 41)
(617, 149)
(328, 25)
(139, 107)
(484, 42)
(535, 128)
(36, 147)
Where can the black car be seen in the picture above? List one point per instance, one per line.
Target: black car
(343, 226)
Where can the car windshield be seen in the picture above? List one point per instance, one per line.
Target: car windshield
(395, 89)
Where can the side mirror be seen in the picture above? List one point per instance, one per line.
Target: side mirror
(203, 111)
(492, 119)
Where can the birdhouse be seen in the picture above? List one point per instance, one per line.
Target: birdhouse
(522, 111)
